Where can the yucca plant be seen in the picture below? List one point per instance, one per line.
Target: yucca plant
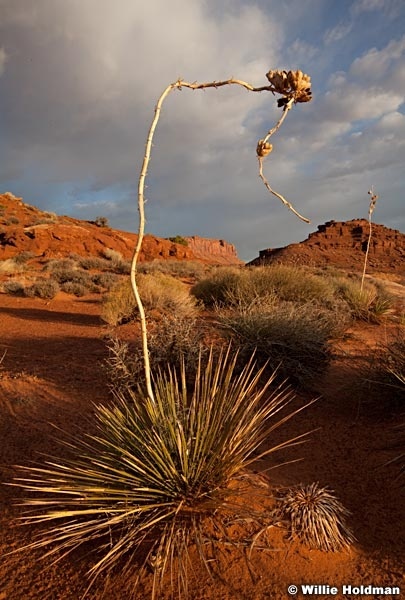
(315, 516)
(156, 470)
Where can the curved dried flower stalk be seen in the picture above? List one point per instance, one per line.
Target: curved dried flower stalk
(371, 208)
(293, 86)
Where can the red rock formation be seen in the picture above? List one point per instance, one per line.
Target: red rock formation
(344, 244)
(26, 228)
(209, 250)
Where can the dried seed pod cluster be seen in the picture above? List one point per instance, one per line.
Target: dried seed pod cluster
(294, 85)
(263, 148)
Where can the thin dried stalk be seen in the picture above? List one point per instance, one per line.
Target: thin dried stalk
(371, 208)
(292, 92)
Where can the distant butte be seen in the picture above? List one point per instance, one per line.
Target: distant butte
(343, 244)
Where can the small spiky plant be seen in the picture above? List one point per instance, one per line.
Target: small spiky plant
(315, 516)
(156, 470)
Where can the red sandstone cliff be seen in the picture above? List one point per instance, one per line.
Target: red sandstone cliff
(207, 249)
(26, 228)
(344, 244)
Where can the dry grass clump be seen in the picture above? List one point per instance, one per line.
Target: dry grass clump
(389, 365)
(295, 338)
(117, 262)
(73, 276)
(42, 288)
(93, 263)
(158, 475)
(159, 292)
(216, 289)
(75, 288)
(12, 266)
(315, 516)
(242, 287)
(105, 280)
(23, 257)
(13, 287)
(175, 340)
(370, 303)
(188, 269)
(56, 266)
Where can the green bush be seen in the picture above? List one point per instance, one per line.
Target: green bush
(167, 472)
(178, 239)
(368, 304)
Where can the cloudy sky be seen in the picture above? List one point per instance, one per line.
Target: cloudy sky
(79, 80)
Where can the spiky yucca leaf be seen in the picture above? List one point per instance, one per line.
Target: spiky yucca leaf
(315, 516)
(156, 469)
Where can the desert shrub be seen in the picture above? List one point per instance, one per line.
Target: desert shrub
(158, 292)
(112, 255)
(93, 262)
(101, 222)
(13, 287)
(177, 268)
(368, 304)
(56, 265)
(292, 337)
(12, 220)
(315, 516)
(74, 288)
(215, 290)
(43, 288)
(237, 287)
(105, 280)
(22, 257)
(387, 374)
(122, 268)
(178, 239)
(117, 262)
(384, 372)
(79, 276)
(174, 341)
(158, 475)
(9, 265)
(44, 221)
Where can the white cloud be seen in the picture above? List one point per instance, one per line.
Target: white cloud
(390, 8)
(337, 33)
(367, 5)
(374, 64)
